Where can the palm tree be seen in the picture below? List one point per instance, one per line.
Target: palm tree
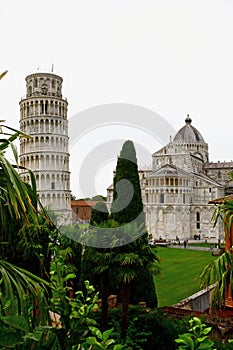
(103, 263)
(220, 271)
(14, 195)
(118, 264)
(128, 264)
(98, 259)
(131, 261)
(17, 201)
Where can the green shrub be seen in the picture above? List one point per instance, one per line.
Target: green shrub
(149, 329)
(197, 336)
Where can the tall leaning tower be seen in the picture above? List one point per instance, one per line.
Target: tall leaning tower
(43, 116)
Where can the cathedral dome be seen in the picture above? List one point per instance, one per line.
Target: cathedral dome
(188, 134)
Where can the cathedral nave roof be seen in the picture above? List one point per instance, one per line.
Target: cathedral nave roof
(169, 170)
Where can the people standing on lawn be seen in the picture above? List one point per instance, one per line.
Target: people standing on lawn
(185, 244)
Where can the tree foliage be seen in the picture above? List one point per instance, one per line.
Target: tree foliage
(134, 264)
(220, 271)
(127, 201)
(19, 289)
(99, 213)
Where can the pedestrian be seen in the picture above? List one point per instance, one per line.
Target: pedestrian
(185, 243)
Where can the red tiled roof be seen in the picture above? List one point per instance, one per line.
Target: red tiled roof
(221, 200)
(83, 203)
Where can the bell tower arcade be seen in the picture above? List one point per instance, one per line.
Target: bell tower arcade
(43, 116)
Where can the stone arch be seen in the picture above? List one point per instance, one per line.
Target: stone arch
(41, 107)
(52, 126)
(56, 108)
(198, 155)
(46, 108)
(36, 107)
(47, 161)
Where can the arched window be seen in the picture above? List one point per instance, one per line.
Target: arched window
(36, 108)
(46, 107)
(198, 223)
(41, 107)
(161, 197)
(29, 91)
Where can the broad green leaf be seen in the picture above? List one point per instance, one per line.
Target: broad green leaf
(207, 345)
(118, 347)
(109, 342)
(69, 276)
(206, 330)
(8, 304)
(107, 333)
(196, 320)
(95, 331)
(36, 335)
(93, 341)
(17, 322)
(186, 339)
(202, 339)
(10, 339)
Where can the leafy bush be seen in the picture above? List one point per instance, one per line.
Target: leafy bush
(149, 328)
(197, 337)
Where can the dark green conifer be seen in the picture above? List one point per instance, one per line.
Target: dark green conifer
(127, 201)
(99, 213)
(127, 207)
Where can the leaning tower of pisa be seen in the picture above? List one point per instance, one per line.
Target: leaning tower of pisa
(43, 116)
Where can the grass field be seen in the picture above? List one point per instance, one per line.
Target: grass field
(203, 244)
(179, 271)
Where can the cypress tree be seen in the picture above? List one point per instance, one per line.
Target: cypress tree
(127, 207)
(99, 213)
(127, 201)
(130, 262)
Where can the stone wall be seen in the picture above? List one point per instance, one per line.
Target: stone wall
(199, 301)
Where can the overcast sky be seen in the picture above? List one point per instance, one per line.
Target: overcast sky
(173, 57)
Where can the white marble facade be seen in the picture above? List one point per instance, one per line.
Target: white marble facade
(43, 116)
(177, 190)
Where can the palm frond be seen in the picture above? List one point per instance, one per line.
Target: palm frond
(129, 259)
(127, 275)
(219, 272)
(17, 198)
(24, 291)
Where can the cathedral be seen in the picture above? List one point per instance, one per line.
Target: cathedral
(177, 190)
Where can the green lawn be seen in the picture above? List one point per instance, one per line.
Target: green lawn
(203, 244)
(179, 268)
